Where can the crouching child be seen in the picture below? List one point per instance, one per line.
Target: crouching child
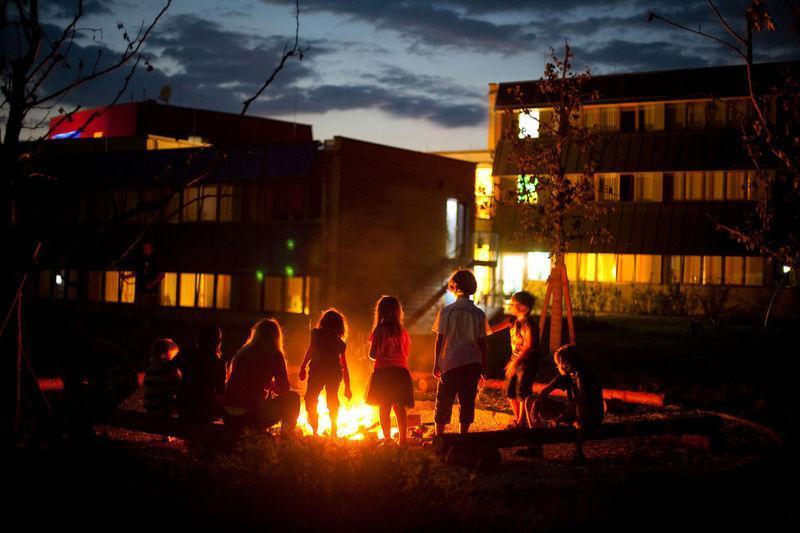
(162, 379)
(584, 406)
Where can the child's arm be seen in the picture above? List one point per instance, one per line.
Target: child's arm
(437, 352)
(505, 324)
(345, 374)
(302, 374)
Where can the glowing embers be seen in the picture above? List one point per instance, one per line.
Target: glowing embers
(357, 420)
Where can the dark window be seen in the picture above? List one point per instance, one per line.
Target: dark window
(669, 187)
(627, 120)
(626, 188)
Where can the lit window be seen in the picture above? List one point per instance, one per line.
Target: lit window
(587, 270)
(513, 272)
(648, 268)
(484, 190)
(606, 268)
(734, 270)
(526, 190)
(609, 119)
(694, 186)
(590, 117)
(294, 295)
(571, 266)
(626, 268)
(692, 269)
(736, 186)
(712, 270)
(208, 203)
(754, 271)
(187, 290)
(454, 219)
(651, 117)
(538, 266)
(649, 187)
(483, 275)
(191, 197)
(111, 292)
(223, 297)
(204, 284)
(226, 203)
(715, 185)
(608, 187)
(529, 124)
(128, 292)
(169, 289)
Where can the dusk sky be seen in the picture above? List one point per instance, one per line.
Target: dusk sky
(408, 73)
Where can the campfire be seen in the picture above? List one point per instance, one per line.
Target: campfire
(356, 420)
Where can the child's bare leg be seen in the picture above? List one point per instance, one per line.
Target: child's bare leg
(311, 411)
(333, 411)
(465, 427)
(529, 412)
(402, 421)
(516, 409)
(385, 415)
(440, 429)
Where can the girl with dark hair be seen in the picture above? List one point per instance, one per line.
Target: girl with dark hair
(327, 364)
(390, 385)
(259, 369)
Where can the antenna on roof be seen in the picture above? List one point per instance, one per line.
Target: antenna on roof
(165, 94)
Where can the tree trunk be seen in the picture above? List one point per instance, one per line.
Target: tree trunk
(556, 303)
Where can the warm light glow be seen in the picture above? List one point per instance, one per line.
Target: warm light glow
(484, 191)
(513, 270)
(538, 266)
(786, 269)
(529, 124)
(290, 244)
(59, 279)
(356, 420)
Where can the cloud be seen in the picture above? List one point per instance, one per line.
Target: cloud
(68, 8)
(427, 24)
(325, 98)
(634, 56)
(215, 68)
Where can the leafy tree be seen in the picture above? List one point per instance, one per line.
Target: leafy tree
(557, 204)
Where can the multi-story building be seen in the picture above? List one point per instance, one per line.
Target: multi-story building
(672, 164)
(278, 224)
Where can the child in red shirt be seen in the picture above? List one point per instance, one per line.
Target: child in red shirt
(390, 385)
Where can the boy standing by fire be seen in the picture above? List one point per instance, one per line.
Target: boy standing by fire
(461, 353)
(524, 361)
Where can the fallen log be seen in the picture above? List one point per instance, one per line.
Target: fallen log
(703, 425)
(427, 383)
(165, 426)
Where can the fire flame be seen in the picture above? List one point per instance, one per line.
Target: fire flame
(356, 420)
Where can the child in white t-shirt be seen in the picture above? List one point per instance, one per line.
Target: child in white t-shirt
(461, 353)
